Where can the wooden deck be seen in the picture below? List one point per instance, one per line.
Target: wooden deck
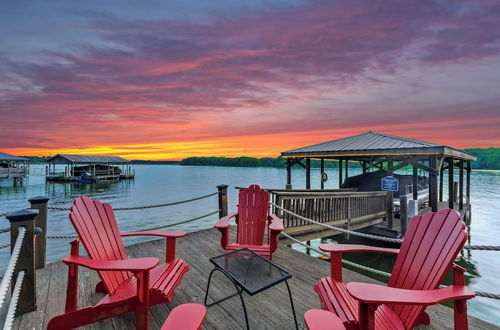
(267, 310)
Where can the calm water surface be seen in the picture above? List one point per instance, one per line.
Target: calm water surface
(155, 184)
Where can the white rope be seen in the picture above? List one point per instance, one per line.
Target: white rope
(9, 272)
(11, 313)
(342, 230)
(63, 208)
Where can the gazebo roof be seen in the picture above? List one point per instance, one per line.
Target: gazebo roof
(8, 157)
(87, 159)
(375, 144)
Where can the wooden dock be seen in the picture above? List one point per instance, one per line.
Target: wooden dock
(267, 310)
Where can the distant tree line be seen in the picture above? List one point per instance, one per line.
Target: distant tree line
(487, 158)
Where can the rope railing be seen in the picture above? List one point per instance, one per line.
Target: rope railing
(9, 272)
(65, 208)
(372, 270)
(63, 236)
(11, 312)
(376, 237)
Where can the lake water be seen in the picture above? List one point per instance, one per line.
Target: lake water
(155, 184)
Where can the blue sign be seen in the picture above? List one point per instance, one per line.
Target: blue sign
(390, 183)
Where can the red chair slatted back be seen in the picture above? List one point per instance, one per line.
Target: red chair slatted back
(429, 248)
(253, 208)
(96, 226)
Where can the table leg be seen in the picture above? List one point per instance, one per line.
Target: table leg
(291, 303)
(238, 292)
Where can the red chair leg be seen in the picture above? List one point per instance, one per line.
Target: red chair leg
(460, 314)
(142, 311)
(423, 318)
(100, 288)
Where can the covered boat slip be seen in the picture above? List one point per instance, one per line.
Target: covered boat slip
(13, 167)
(387, 153)
(268, 310)
(88, 168)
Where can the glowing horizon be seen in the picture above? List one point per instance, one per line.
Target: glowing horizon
(166, 81)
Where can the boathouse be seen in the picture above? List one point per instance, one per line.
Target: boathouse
(376, 151)
(88, 167)
(13, 167)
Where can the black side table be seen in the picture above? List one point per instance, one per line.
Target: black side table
(251, 273)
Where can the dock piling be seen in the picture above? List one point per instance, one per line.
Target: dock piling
(40, 203)
(222, 200)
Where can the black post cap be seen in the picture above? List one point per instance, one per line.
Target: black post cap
(222, 186)
(22, 215)
(38, 200)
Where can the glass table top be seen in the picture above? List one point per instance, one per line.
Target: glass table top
(252, 272)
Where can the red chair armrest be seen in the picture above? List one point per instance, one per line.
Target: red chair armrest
(159, 233)
(131, 265)
(355, 248)
(224, 221)
(318, 319)
(379, 294)
(185, 316)
(276, 223)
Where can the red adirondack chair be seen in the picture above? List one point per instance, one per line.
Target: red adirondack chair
(185, 317)
(129, 284)
(317, 319)
(431, 244)
(251, 219)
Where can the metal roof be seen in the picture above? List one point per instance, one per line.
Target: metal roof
(65, 158)
(8, 157)
(373, 143)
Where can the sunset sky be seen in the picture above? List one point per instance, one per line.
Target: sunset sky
(172, 79)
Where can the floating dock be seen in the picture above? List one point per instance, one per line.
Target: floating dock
(267, 310)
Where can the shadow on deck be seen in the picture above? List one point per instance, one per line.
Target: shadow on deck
(267, 310)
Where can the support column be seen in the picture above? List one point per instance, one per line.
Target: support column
(340, 173)
(467, 183)
(363, 165)
(415, 183)
(346, 169)
(308, 173)
(288, 173)
(433, 184)
(441, 179)
(461, 185)
(322, 170)
(390, 198)
(451, 192)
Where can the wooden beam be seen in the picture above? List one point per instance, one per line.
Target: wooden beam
(461, 185)
(340, 173)
(308, 173)
(399, 166)
(467, 183)
(415, 182)
(441, 179)
(451, 193)
(322, 170)
(433, 184)
(346, 169)
(363, 165)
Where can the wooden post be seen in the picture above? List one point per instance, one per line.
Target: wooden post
(40, 203)
(340, 173)
(308, 173)
(441, 179)
(461, 185)
(26, 261)
(346, 168)
(348, 224)
(363, 165)
(222, 200)
(390, 197)
(467, 183)
(433, 184)
(322, 169)
(415, 183)
(288, 173)
(403, 212)
(451, 192)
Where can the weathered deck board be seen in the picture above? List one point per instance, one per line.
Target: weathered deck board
(267, 310)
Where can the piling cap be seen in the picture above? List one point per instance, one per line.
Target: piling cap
(22, 215)
(38, 200)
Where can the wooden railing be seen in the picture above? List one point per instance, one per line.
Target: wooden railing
(348, 209)
(12, 172)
